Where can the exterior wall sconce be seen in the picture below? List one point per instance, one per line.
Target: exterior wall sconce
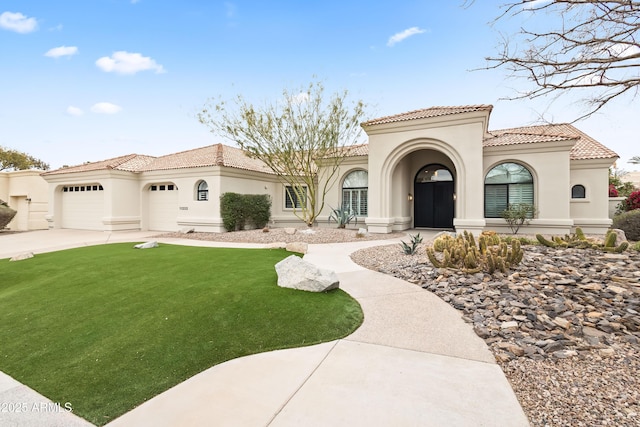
(454, 196)
(410, 197)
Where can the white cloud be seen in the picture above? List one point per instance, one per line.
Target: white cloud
(398, 37)
(535, 4)
(17, 22)
(621, 50)
(57, 52)
(106, 108)
(123, 62)
(231, 9)
(74, 111)
(300, 98)
(56, 28)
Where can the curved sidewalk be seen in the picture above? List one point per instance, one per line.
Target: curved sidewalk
(413, 362)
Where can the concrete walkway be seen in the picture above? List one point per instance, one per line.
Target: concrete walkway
(413, 362)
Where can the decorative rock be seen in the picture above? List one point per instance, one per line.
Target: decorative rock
(296, 273)
(23, 256)
(147, 245)
(299, 247)
(290, 230)
(509, 325)
(363, 231)
(276, 245)
(187, 230)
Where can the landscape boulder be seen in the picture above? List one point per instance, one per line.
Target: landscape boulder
(296, 273)
(147, 245)
(276, 245)
(290, 230)
(299, 247)
(23, 256)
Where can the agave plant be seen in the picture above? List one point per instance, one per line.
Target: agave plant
(342, 217)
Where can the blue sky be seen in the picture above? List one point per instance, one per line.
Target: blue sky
(89, 80)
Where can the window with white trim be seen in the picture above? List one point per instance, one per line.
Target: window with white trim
(295, 198)
(506, 184)
(354, 192)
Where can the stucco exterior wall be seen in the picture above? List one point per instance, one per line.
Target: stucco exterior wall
(333, 198)
(25, 192)
(398, 151)
(591, 213)
(549, 166)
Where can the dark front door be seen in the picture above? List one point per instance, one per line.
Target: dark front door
(433, 198)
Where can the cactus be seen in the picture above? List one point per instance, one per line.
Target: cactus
(610, 239)
(579, 241)
(489, 254)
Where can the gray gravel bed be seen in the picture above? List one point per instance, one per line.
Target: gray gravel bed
(564, 326)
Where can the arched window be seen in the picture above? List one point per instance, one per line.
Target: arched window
(506, 184)
(578, 192)
(354, 192)
(203, 191)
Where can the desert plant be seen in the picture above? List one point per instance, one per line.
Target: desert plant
(578, 240)
(6, 214)
(636, 246)
(461, 253)
(629, 222)
(410, 249)
(342, 216)
(518, 214)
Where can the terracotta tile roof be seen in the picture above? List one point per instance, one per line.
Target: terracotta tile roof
(351, 151)
(428, 112)
(130, 162)
(584, 148)
(212, 155)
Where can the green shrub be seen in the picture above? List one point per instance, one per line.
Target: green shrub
(636, 246)
(237, 210)
(518, 214)
(6, 214)
(629, 222)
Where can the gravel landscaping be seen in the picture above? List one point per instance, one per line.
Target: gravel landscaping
(288, 235)
(564, 326)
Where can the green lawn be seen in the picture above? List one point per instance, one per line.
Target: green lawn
(108, 327)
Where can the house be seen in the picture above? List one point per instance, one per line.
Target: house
(26, 192)
(437, 168)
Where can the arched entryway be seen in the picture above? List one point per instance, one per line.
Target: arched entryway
(433, 204)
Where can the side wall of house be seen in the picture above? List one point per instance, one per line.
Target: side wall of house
(25, 192)
(591, 213)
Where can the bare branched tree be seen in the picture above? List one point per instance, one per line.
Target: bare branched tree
(292, 135)
(586, 46)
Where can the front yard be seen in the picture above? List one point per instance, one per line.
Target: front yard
(107, 327)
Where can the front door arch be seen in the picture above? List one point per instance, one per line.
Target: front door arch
(433, 205)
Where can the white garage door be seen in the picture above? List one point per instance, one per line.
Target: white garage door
(83, 207)
(163, 207)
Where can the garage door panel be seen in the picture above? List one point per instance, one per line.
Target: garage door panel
(83, 210)
(163, 210)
